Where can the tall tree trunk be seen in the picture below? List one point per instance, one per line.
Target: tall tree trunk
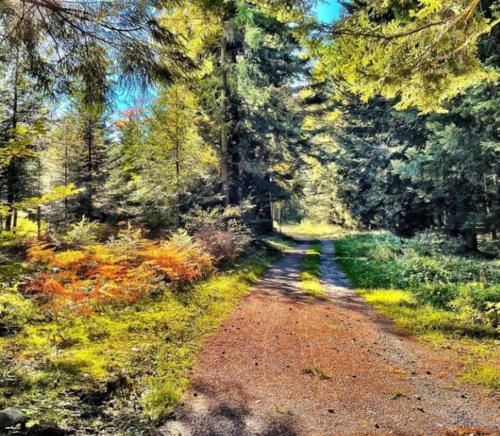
(224, 128)
(12, 170)
(90, 149)
(229, 152)
(267, 226)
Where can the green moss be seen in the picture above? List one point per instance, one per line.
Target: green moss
(310, 272)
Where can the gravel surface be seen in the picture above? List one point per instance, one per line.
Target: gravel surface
(288, 364)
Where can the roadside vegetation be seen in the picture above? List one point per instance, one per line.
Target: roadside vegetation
(100, 336)
(428, 287)
(313, 229)
(280, 242)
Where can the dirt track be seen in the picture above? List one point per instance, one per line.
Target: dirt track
(287, 364)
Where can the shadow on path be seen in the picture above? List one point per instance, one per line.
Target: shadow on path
(284, 363)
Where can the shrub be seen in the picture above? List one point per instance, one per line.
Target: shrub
(180, 259)
(119, 272)
(223, 245)
(82, 233)
(221, 232)
(437, 295)
(430, 243)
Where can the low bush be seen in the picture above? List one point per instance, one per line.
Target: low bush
(221, 232)
(120, 271)
(440, 295)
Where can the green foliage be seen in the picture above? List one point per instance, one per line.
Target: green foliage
(79, 47)
(423, 53)
(160, 163)
(71, 164)
(383, 260)
(443, 298)
(26, 230)
(321, 201)
(408, 173)
(82, 233)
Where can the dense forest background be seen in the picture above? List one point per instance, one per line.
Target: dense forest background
(251, 111)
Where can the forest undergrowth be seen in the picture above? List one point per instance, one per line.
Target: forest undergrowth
(449, 300)
(100, 337)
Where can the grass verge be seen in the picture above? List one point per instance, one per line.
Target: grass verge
(313, 230)
(441, 299)
(310, 273)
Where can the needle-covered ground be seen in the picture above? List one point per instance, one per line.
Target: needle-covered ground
(287, 363)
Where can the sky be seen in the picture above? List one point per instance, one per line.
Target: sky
(328, 10)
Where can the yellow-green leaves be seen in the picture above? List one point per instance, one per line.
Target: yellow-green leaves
(424, 55)
(20, 142)
(58, 193)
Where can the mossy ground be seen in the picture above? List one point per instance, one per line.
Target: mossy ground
(424, 294)
(120, 370)
(313, 230)
(310, 274)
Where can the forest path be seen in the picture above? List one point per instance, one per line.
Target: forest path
(285, 363)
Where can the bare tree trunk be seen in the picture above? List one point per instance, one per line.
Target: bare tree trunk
(12, 176)
(224, 128)
(90, 144)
